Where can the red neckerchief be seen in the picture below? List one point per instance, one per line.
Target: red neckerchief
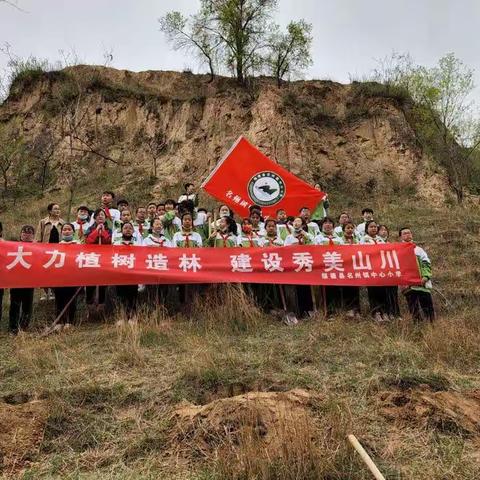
(224, 238)
(107, 213)
(330, 240)
(270, 240)
(187, 240)
(80, 223)
(250, 239)
(154, 240)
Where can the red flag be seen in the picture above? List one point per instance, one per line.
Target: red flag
(245, 177)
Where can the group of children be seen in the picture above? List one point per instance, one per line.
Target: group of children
(183, 224)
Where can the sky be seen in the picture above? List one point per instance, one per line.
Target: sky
(349, 35)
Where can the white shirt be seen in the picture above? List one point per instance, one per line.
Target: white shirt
(119, 241)
(152, 241)
(179, 238)
(117, 234)
(293, 240)
(271, 242)
(360, 230)
(368, 240)
(313, 228)
(322, 239)
(114, 213)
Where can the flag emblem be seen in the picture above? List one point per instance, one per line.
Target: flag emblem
(266, 188)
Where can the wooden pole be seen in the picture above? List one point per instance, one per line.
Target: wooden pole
(365, 457)
(49, 330)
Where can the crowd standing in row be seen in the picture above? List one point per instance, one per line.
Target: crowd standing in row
(182, 223)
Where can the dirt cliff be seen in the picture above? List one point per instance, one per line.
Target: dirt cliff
(157, 129)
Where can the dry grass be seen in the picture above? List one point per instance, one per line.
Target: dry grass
(111, 389)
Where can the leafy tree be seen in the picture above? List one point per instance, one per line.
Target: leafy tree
(233, 31)
(444, 113)
(290, 51)
(444, 93)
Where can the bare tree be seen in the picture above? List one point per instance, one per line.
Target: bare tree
(189, 34)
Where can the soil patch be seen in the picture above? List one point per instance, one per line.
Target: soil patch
(267, 418)
(21, 432)
(447, 411)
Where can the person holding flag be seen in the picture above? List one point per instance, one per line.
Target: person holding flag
(321, 210)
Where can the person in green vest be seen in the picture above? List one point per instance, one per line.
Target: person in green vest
(248, 237)
(350, 294)
(170, 220)
(271, 238)
(313, 228)
(327, 235)
(299, 235)
(419, 297)
(284, 228)
(225, 236)
(321, 210)
(141, 223)
(187, 237)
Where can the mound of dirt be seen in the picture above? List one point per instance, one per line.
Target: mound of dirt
(21, 432)
(266, 419)
(446, 410)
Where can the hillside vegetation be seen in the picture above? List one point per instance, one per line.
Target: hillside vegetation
(228, 392)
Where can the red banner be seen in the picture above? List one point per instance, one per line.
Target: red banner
(245, 177)
(53, 265)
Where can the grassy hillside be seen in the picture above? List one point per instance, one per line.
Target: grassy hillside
(104, 398)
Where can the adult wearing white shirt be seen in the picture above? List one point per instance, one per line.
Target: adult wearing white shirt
(367, 214)
(189, 194)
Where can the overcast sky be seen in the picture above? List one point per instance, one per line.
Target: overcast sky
(348, 34)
